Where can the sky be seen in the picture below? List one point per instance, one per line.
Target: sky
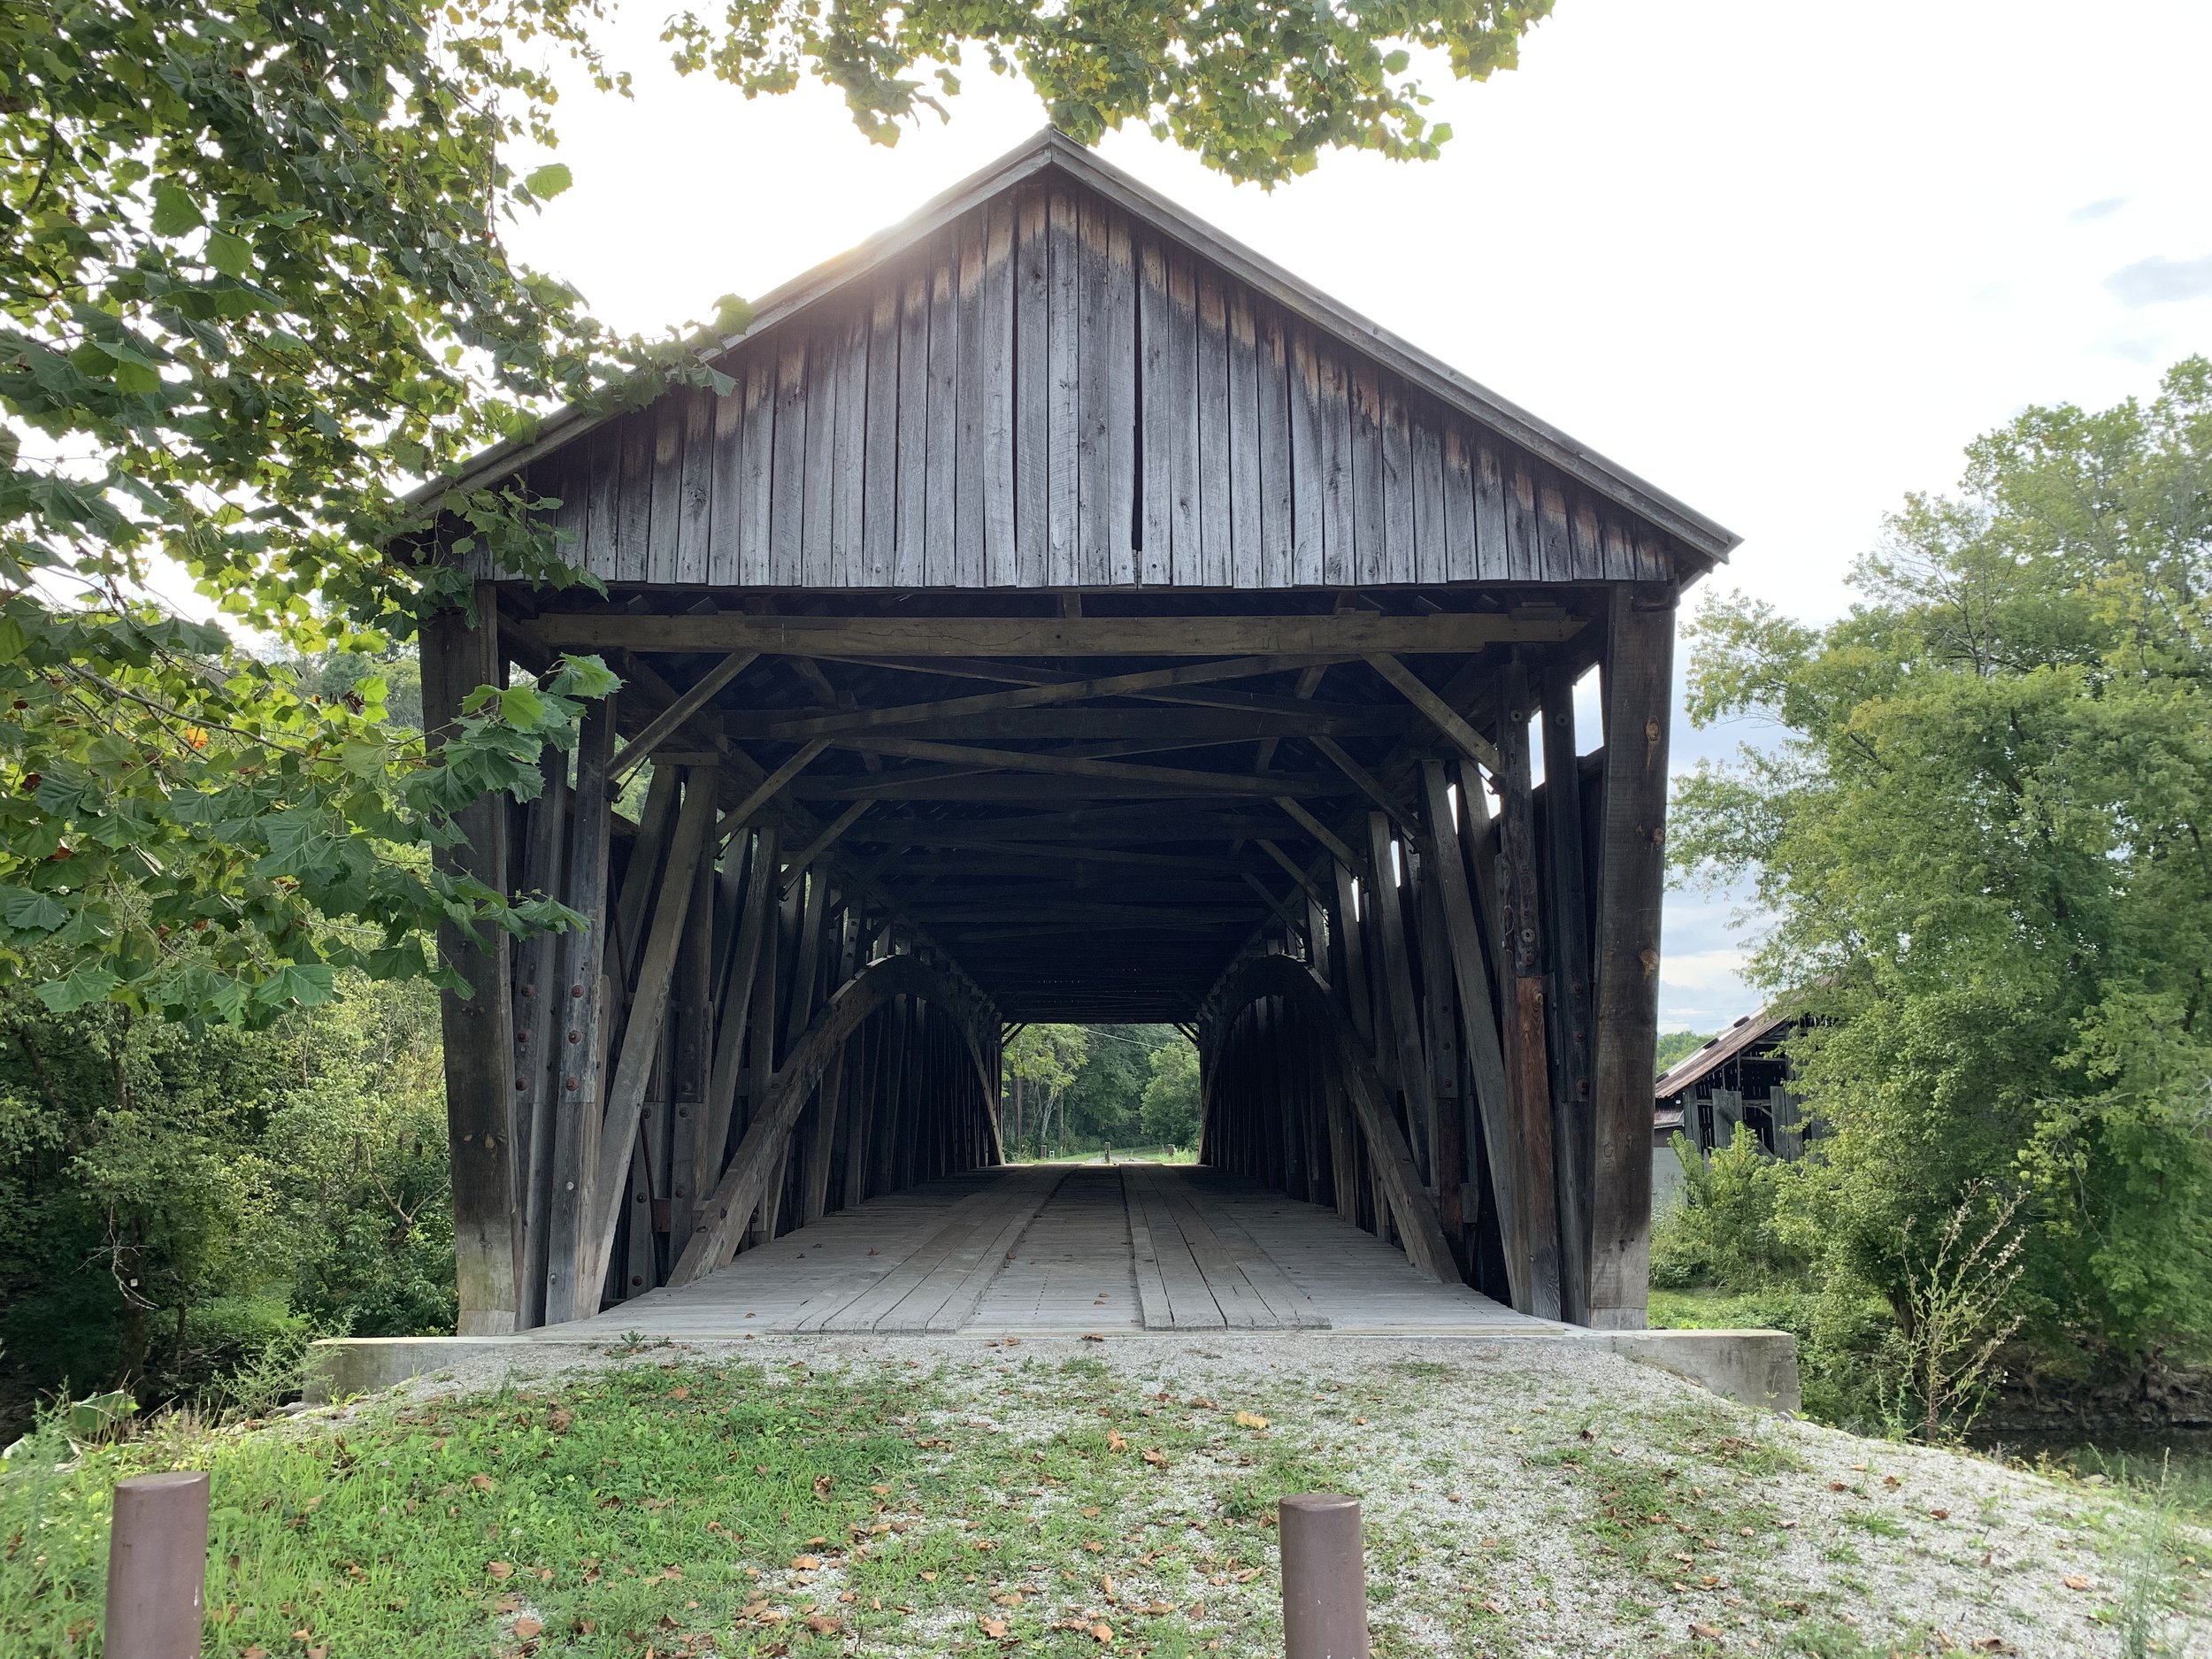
(1784, 261)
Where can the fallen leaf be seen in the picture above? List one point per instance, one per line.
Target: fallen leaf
(929, 1578)
(823, 1624)
(1115, 1442)
(1490, 1604)
(1093, 1336)
(805, 1563)
(994, 1628)
(1007, 1597)
(482, 1483)
(1153, 1455)
(499, 1570)
(1106, 1583)
(680, 1394)
(1361, 1421)
(2074, 1581)
(822, 1484)
(1706, 1632)
(1939, 1514)
(1102, 1632)
(1838, 1485)
(526, 1627)
(1250, 1420)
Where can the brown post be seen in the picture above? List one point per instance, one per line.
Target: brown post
(456, 658)
(1528, 1074)
(157, 1566)
(1568, 939)
(1471, 958)
(1631, 879)
(579, 1020)
(536, 1010)
(1324, 1578)
(1396, 981)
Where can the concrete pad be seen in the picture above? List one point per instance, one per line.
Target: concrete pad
(342, 1366)
(1755, 1368)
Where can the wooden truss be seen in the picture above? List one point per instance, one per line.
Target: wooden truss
(832, 847)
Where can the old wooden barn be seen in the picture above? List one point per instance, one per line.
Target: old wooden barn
(1067, 614)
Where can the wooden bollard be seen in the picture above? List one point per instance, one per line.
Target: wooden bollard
(1324, 1578)
(158, 1567)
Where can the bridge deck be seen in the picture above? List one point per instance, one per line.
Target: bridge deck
(1068, 1247)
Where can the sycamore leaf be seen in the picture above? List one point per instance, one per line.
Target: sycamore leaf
(549, 181)
(174, 212)
(231, 255)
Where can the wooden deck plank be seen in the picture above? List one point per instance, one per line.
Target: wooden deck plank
(1066, 1248)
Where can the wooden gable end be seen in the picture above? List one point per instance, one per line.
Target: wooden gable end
(1051, 391)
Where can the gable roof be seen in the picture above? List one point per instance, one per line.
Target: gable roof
(1051, 151)
(1746, 1032)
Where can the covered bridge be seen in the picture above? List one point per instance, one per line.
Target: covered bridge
(1066, 615)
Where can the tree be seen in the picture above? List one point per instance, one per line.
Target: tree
(1171, 1096)
(252, 283)
(1982, 841)
(1256, 91)
(172, 1202)
(1046, 1058)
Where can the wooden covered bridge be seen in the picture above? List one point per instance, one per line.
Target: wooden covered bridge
(1066, 615)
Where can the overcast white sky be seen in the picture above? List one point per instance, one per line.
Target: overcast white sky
(1783, 260)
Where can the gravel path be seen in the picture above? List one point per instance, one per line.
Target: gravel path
(1528, 1497)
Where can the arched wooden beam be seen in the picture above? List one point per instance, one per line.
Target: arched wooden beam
(1419, 1225)
(727, 1211)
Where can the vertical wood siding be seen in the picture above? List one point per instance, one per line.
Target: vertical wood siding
(1045, 394)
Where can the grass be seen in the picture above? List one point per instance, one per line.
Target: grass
(744, 1510)
(1022, 1501)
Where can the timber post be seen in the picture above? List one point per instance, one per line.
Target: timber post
(460, 653)
(1632, 881)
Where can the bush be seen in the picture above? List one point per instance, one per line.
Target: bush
(1726, 1231)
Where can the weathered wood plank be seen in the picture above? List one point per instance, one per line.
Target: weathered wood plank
(757, 465)
(1325, 636)
(632, 496)
(824, 384)
(1033, 390)
(1457, 487)
(1161, 401)
(1310, 508)
(847, 553)
(1276, 524)
(787, 525)
(1432, 556)
(971, 403)
(1555, 541)
(1107, 394)
(1631, 881)
(879, 488)
(726, 486)
(994, 354)
(909, 539)
(1063, 414)
(1397, 484)
(665, 525)
(1493, 560)
(940, 559)
(695, 529)
(1370, 549)
(1184, 527)
(1213, 503)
